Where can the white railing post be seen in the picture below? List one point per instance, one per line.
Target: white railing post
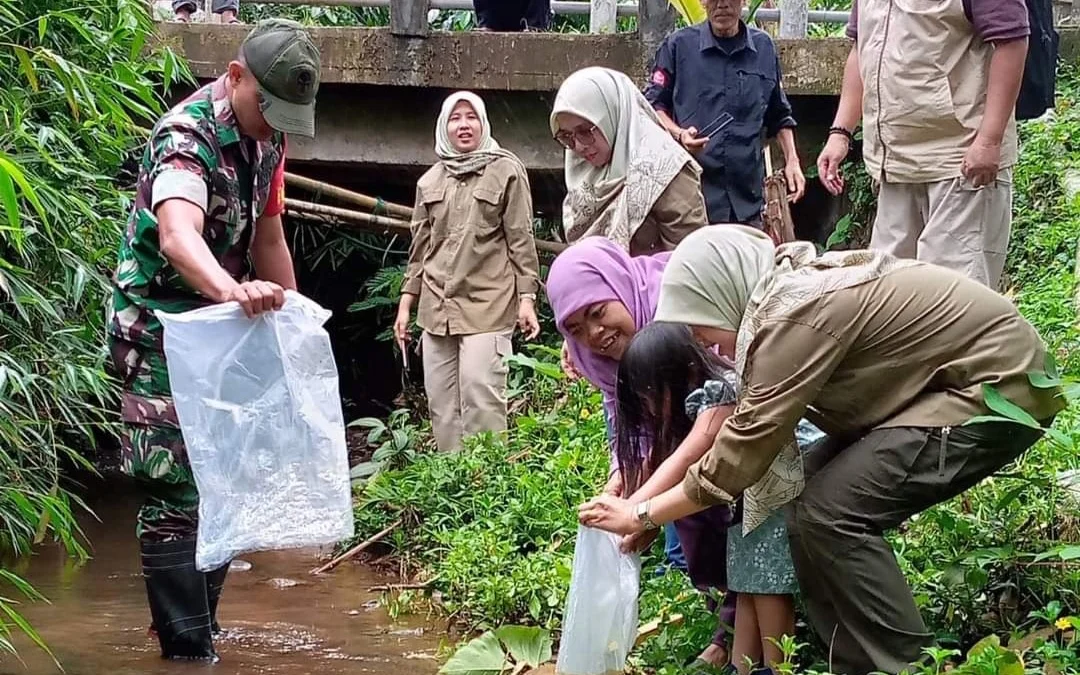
(602, 16)
(794, 18)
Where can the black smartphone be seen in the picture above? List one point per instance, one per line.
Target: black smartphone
(717, 124)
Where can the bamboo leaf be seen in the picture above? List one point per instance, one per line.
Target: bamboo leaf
(27, 68)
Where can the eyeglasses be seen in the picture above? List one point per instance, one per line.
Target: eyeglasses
(583, 136)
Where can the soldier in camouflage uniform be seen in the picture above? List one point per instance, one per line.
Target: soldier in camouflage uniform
(208, 205)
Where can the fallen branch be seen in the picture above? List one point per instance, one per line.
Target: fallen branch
(382, 224)
(355, 550)
(390, 588)
(650, 629)
(373, 203)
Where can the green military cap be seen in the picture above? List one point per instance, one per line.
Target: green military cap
(285, 62)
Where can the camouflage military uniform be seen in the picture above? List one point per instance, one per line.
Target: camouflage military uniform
(195, 146)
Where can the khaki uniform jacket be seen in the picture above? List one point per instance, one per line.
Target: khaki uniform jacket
(912, 348)
(472, 251)
(925, 75)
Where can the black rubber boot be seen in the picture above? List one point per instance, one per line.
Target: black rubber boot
(179, 602)
(215, 581)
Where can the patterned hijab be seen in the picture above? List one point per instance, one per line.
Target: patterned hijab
(732, 278)
(487, 151)
(597, 270)
(613, 201)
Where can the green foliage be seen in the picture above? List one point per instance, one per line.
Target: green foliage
(495, 523)
(381, 295)
(507, 648)
(77, 86)
(397, 441)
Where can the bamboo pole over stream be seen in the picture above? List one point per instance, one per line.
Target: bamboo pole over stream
(372, 203)
(381, 224)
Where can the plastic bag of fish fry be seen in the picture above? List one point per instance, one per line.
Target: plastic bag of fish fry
(600, 621)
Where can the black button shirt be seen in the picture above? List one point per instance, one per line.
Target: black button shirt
(697, 77)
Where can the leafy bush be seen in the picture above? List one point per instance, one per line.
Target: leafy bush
(77, 86)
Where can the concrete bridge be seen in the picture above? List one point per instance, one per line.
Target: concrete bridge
(382, 88)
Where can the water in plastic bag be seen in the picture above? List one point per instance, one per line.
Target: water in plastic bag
(261, 416)
(600, 622)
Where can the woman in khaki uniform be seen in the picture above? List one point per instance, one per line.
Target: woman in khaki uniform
(627, 179)
(473, 265)
(891, 358)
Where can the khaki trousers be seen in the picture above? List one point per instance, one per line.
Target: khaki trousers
(856, 597)
(465, 379)
(948, 223)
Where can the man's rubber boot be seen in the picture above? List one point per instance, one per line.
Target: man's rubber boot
(215, 582)
(179, 602)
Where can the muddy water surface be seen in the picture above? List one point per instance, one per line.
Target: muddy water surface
(278, 619)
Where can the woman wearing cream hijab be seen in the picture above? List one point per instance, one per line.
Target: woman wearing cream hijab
(889, 357)
(627, 179)
(473, 265)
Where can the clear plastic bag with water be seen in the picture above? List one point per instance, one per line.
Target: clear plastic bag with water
(600, 621)
(261, 416)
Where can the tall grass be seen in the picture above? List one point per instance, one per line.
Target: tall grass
(78, 87)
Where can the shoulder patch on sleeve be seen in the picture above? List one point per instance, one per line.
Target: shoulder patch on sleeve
(659, 78)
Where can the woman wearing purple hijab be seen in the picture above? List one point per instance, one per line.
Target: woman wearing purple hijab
(602, 297)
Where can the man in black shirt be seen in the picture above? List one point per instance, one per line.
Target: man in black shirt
(717, 89)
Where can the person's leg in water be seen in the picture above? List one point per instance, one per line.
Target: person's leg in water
(179, 595)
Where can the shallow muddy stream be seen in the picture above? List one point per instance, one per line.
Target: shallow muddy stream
(277, 618)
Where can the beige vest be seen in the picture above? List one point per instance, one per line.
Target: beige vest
(925, 74)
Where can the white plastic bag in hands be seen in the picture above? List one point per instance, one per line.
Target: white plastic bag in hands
(260, 412)
(600, 621)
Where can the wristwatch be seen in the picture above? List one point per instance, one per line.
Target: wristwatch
(641, 511)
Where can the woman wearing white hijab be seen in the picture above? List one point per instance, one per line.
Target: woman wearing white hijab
(473, 265)
(890, 358)
(627, 179)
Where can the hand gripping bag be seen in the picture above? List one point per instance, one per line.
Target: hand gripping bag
(600, 622)
(261, 416)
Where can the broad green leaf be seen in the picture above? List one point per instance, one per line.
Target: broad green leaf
(9, 199)
(367, 422)
(1006, 408)
(482, 656)
(1069, 553)
(526, 644)
(691, 11)
(991, 642)
(1009, 663)
(365, 469)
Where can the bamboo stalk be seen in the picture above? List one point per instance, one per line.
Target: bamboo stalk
(384, 224)
(356, 550)
(320, 187)
(365, 221)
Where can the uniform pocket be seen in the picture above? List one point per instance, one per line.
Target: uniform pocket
(488, 206)
(504, 347)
